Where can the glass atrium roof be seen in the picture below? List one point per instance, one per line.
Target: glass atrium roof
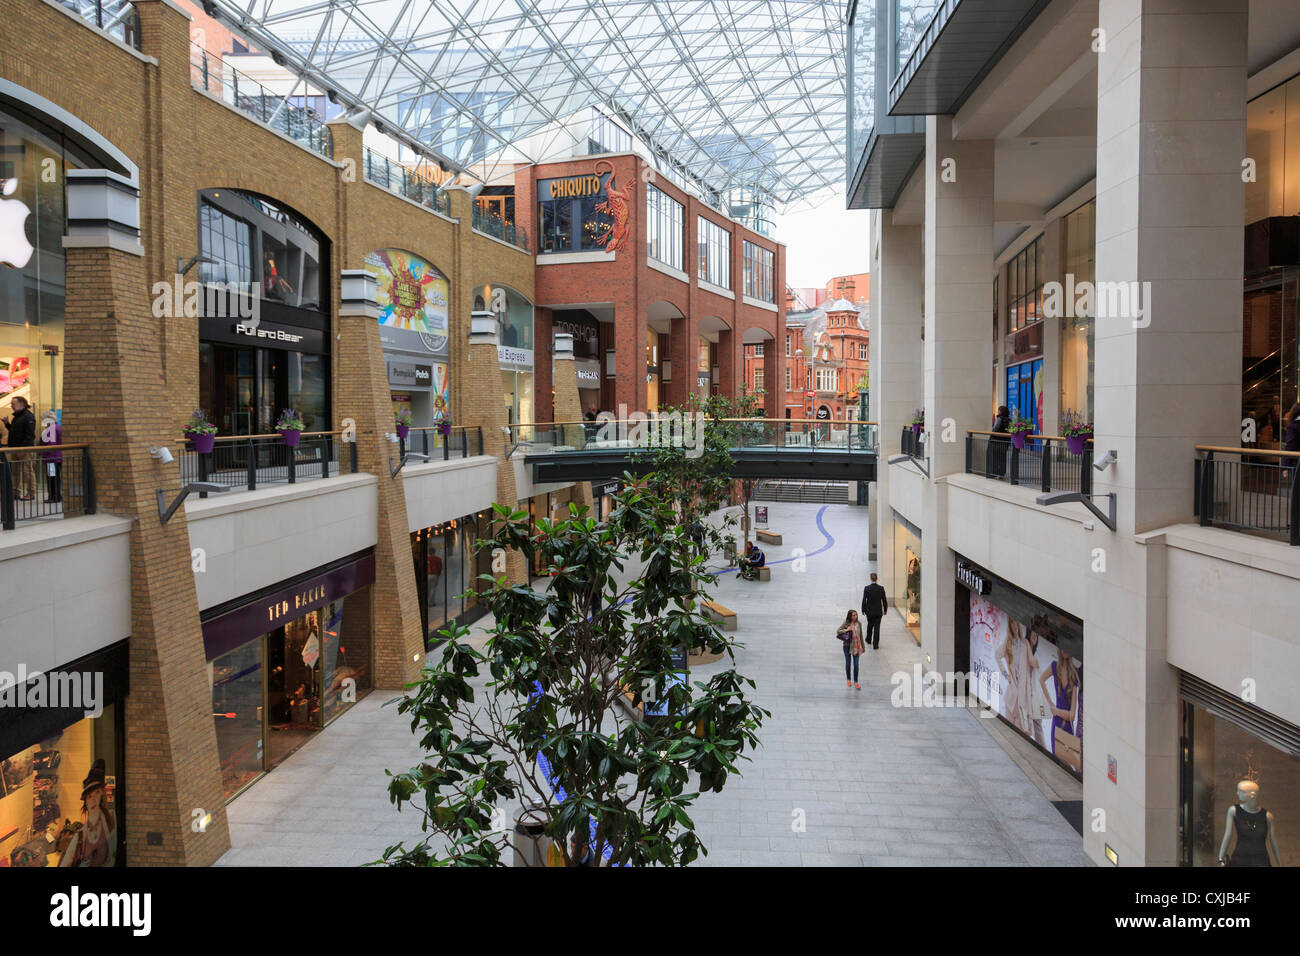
(736, 93)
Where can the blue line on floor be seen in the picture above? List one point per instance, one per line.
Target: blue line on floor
(830, 543)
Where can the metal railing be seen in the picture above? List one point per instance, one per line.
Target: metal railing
(498, 228)
(756, 433)
(45, 481)
(911, 443)
(1046, 462)
(245, 462)
(118, 18)
(411, 183)
(1256, 491)
(301, 124)
(463, 441)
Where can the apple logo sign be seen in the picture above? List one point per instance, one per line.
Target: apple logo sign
(14, 247)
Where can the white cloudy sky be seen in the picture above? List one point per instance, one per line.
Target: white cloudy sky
(823, 240)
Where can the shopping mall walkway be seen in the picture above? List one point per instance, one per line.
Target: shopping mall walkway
(872, 784)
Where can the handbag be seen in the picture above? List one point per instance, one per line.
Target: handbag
(1068, 748)
(844, 634)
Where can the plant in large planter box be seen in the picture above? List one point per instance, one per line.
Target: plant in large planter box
(1077, 430)
(402, 420)
(1019, 428)
(201, 433)
(530, 717)
(290, 427)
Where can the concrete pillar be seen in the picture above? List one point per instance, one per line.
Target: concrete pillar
(1171, 108)
(361, 387)
(116, 401)
(958, 350)
(898, 276)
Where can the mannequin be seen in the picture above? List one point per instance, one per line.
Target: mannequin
(1253, 826)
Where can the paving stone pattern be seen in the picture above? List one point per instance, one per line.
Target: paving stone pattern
(874, 784)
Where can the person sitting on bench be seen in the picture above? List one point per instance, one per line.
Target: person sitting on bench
(751, 561)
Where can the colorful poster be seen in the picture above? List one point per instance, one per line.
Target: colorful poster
(1027, 679)
(441, 391)
(413, 296)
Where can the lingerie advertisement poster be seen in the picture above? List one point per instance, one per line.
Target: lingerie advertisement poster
(1022, 674)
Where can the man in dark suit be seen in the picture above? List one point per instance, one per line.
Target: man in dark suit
(873, 609)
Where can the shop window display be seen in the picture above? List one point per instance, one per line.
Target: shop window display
(272, 694)
(1026, 665)
(1241, 796)
(907, 574)
(448, 563)
(33, 164)
(59, 802)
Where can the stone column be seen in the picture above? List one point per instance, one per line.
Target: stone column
(958, 351)
(116, 401)
(898, 275)
(361, 387)
(481, 375)
(1171, 108)
(568, 408)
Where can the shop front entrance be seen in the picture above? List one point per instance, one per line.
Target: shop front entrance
(272, 692)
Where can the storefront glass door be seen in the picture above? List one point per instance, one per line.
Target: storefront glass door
(293, 685)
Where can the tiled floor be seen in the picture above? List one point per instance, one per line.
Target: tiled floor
(842, 776)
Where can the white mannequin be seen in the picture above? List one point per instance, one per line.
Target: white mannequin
(1248, 800)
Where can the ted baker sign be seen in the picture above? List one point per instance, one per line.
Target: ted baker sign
(299, 604)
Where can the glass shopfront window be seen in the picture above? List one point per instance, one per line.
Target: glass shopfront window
(59, 799)
(760, 272)
(1241, 795)
(1270, 378)
(273, 691)
(1077, 331)
(714, 244)
(664, 228)
(570, 212)
(268, 253)
(1025, 661)
(448, 563)
(33, 162)
(907, 576)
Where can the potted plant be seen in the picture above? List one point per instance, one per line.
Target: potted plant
(403, 420)
(290, 427)
(918, 421)
(201, 432)
(1077, 430)
(1019, 428)
(444, 426)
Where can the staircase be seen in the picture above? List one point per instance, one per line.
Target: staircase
(811, 492)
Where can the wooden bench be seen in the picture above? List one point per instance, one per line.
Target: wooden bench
(768, 537)
(722, 615)
(765, 573)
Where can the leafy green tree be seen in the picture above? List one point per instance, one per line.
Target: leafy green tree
(622, 782)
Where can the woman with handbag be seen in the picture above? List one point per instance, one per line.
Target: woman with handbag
(850, 637)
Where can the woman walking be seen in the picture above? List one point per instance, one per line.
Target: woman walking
(850, 633)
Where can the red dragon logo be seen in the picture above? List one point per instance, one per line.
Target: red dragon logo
(615, 205)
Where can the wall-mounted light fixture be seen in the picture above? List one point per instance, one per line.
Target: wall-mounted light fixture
(666, 370)
(717, 374)
(611, 363)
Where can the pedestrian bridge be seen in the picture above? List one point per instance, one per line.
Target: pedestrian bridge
(760, 447)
